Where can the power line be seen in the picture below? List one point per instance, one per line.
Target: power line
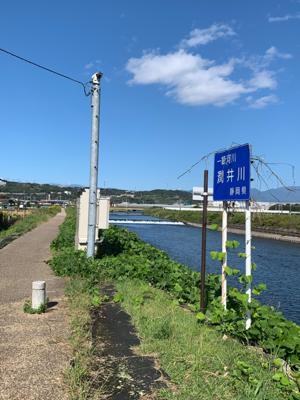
(47, 69)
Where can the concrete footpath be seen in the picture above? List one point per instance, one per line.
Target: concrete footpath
(34, 351)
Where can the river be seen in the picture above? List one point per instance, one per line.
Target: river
(278, 263)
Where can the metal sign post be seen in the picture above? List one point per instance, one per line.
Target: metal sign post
(232, 183)
(224, 250)
(203, 249)
(248, 256)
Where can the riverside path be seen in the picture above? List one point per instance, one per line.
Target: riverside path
(33, 348)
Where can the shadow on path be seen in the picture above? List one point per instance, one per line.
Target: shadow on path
(118, 371)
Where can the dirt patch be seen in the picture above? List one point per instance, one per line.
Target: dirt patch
(119, 372)
(33, 353)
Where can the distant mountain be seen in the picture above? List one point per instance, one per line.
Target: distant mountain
(39, 190)
(156, 196)
(42, 190)
(281, 195)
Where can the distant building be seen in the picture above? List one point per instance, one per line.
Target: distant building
(2, 182)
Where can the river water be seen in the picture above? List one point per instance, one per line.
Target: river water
(278, 263)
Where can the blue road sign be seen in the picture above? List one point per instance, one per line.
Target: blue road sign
(232, 174)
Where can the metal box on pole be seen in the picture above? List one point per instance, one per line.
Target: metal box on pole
(102, 218)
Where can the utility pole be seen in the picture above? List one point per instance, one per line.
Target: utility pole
(92, 214)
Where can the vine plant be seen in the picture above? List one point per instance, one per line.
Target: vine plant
(269, 328)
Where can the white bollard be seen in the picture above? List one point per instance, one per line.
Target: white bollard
(38, 294)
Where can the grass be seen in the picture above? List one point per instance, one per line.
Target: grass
(29, 222)
(200, 362)
(27, 308)
(81, 298)
(259, 220)
(79, 303)
(7, 219)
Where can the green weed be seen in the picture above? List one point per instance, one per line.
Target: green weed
(30, 222)
(201, 363)
(278, 222)
(123, 257)
(27, 308)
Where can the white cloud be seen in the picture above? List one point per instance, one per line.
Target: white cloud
(92, 64)
(193, 80)
(259, 63)
(284, 18)
(273, 53)
(89, 65)
(262, 102)
(189, 78)
(263, 80)
(156, 68)
(203, 36)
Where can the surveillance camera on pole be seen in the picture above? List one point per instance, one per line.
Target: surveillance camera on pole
(92, 213)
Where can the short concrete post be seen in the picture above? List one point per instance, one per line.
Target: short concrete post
(38, 294)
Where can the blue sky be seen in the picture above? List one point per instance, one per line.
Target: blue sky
(181, 79)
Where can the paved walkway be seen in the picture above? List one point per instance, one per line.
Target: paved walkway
(23, 261)
(33, 348)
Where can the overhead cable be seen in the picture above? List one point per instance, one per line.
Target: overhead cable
(48, 69)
